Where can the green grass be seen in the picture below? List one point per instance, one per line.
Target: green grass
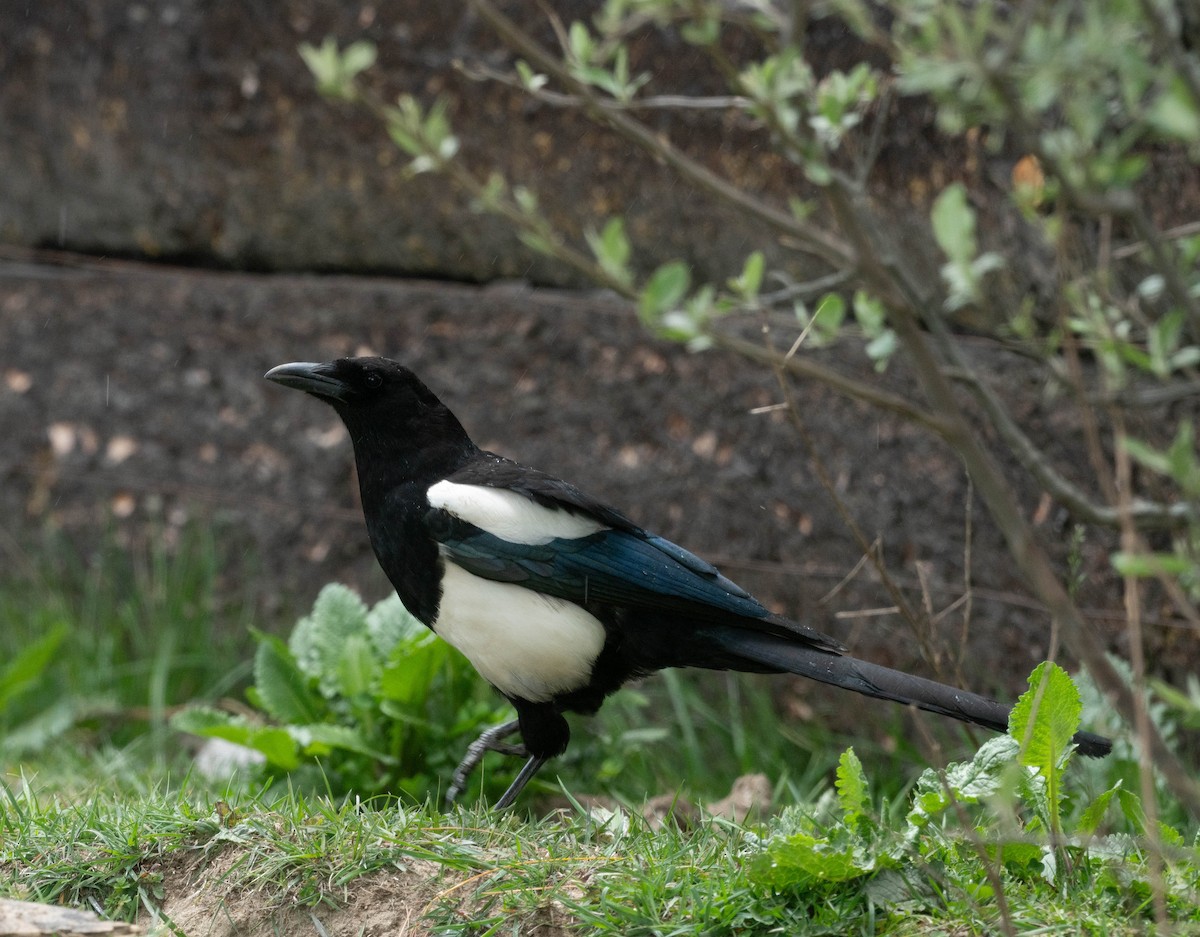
(141, 628)
(100, 808)
(141, 843)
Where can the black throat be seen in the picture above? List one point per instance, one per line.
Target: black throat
(395, 470)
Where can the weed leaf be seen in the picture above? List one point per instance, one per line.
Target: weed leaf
(282, 688)
(851, 787)
(319, 638)
(1045, 718)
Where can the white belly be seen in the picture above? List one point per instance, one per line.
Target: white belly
(525, 644)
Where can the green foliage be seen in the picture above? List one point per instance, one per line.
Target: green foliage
(32, 727)
(961, 822)
(96, 647)
(954, 228)
(1043, 721)
(806, 853)
(852, 790)
(372, 696)
(424, 134)
(664, 290)
(1180, 463)
(747, 285)
(846, 857)
(1185, 703)
(824, 324)
(603, 65)
(335, 70)
(23, 671)
(872, 319)
(611, 248)
(1084, 79)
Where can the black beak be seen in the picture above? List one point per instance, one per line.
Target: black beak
(312, 378)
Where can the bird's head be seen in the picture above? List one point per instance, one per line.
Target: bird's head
(358, 383)
(383, 404)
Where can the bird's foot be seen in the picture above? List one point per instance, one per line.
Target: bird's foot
(490, 741)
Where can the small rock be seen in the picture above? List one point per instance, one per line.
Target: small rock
(29, 919)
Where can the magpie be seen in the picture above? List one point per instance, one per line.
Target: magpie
(556, 598)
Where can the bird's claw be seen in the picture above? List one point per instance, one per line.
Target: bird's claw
(491, 740)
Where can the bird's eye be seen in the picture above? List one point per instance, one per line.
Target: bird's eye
(373, 379)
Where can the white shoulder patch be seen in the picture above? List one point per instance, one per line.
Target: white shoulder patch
(509, 515)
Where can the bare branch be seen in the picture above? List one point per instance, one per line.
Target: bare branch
(804, 366)
(477, 71)
(810, 238)
(1170, 234)
(1144, 515)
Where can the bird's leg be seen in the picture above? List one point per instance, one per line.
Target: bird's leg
(519, 782)
(489, 741)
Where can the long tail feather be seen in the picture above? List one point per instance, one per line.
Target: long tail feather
(873, 680)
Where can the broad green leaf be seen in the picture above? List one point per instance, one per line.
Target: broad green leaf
(408, 673)
(801, 860)
(283, 689)
(611, 248)
(357, 667)
(964, 782)
(318, 640)
(580, 42)
(1020, 855)
(663, 291)
(319, 738)
(830, 313)
(1093, 814)
(1042, 722)
(357, 57)
(1175, 113)
(389, 623)
(1170, 836)
(275, 744)
(1045, 717)
(851, 786)
(201, 720)
(954, 224)
(1131, 809)
(749, 282)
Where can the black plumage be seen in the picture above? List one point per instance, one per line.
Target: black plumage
(556, 598)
